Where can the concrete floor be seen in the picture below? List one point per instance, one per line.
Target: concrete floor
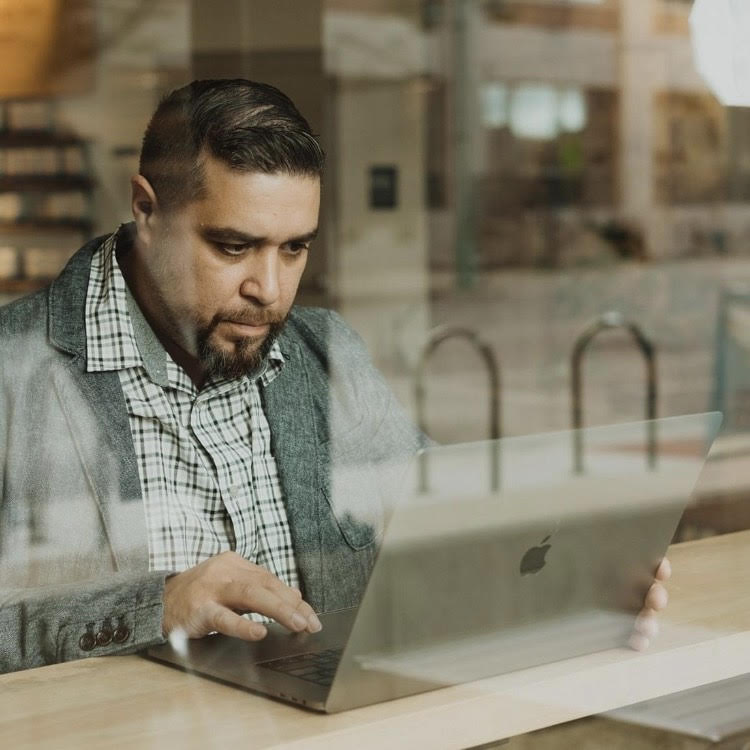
(532, 319)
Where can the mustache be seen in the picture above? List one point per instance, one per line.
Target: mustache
(250, 317)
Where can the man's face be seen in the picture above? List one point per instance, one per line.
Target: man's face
(223, 271)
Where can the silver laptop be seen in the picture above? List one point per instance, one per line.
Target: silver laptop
(471, 582)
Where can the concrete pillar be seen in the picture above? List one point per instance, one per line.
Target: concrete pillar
(356, 77)
(382, 278)
(642, 62)
(380, 262)
(468, 136)
(277, 42)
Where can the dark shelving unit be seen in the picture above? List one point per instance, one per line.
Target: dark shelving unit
(53, 183)
(52, 162)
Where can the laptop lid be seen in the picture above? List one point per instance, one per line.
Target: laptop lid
(555, 563)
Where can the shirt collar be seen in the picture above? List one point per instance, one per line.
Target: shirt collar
(153, 354)
(110, 339)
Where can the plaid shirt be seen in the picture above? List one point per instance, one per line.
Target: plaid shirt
(208, 478)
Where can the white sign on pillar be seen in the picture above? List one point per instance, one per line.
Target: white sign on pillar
(720, 30)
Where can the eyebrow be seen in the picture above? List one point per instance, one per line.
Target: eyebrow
(228, 235)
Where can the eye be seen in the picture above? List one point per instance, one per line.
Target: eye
(296, 248)
(232, 250)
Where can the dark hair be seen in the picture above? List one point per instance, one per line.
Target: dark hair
(251, 127)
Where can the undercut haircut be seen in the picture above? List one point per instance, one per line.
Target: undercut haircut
(249, 126)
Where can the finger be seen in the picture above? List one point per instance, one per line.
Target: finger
(288, 593)
(656, 598)
(227, 622)
(664, 571)
(638, 642)
(293, 596)
(646, 624)
(262, 578)
(295, 616)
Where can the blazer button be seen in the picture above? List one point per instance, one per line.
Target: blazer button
(121, 634)
(87, 641)
(104, 637)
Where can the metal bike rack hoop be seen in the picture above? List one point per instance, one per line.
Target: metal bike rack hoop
(435, 338)
(608, 321)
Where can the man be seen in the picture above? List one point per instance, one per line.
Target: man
(168, 419)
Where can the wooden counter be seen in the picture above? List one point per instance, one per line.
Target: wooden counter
(128, 702)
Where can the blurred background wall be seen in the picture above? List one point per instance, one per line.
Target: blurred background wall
(516, 167)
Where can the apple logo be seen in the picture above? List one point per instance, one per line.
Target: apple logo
(534, 559)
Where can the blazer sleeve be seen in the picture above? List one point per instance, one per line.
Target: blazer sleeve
(120, 614)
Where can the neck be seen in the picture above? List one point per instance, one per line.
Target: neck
(145, 294)
(191, 365)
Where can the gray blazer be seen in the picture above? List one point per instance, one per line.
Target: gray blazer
(73, 550)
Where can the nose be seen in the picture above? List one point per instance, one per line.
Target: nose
(261, 281)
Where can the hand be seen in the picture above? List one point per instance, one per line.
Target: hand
(646, 624)
(212, 595)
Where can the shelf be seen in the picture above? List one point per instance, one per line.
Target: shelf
(38, 161)
(22, 286)
(44, 183)
(41, 138)
(35, 226)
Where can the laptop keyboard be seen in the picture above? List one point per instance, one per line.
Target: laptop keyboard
(318, 667)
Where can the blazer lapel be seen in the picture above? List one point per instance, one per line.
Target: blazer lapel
(291, 415)
(94, 407)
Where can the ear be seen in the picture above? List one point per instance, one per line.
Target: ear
(144, 204)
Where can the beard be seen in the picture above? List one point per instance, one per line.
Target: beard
(248, 353)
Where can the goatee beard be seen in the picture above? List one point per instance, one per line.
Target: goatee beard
(247, 357)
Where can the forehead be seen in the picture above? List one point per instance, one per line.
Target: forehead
(258, 203)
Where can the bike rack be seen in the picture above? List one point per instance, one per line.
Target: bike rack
(612, 320)
(435, 338)
(729, 379)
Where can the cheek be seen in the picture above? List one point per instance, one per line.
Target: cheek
(216, 289)
(184, 289)
(203, 285)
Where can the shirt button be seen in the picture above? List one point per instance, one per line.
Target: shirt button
(87, 642)
(104, 637)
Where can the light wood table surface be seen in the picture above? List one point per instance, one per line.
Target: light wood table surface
(129, 702)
